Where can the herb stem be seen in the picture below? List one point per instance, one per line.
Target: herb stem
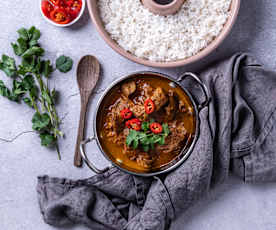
(42, 88)
(35, 105)
(58, 152)
(50, 114)
(47, 106)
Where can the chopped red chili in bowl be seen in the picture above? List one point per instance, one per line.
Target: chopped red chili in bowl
(149, 106)
(59, 16)
(126, 114)
(134, 123)
(61, 12)
(156, 128)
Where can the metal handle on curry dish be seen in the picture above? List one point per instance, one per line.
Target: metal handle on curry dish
(85, 158)
(203, 86)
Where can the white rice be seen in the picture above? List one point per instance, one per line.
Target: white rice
(160, 38)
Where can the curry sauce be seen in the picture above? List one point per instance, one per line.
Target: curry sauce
(172, 107)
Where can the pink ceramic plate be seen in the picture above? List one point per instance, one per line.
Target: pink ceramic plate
(94, 13)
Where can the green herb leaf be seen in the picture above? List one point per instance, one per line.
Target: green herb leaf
(166, 129)
(7, 64)
(64, 64)
(145, 126)
(27, 66)
(47, 139)
(131, 137)
(28, 82)
(18, 89)
(47, 68)
(4, 91)
(23, 33)
(38, 64)
(35, 50)
(135, 143)
(40, 121)
(34, 35)
(155, 139)
(162, 140)
(145, 140)
(34, 92)
(13, 95)
(31, 36)
(20, 47)
(28, 101)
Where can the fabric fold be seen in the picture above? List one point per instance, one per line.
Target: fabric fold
(237, 133)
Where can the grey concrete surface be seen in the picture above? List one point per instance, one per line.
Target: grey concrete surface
(232, 206)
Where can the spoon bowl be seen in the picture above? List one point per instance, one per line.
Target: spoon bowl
(88, 72)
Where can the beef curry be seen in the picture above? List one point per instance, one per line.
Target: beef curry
(145, 123)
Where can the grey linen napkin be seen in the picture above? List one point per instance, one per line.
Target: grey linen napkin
(237, 133)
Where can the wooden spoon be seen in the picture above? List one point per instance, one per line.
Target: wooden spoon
(87, 77)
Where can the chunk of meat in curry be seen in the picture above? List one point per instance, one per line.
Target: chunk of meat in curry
(167, 106)
(128, 88)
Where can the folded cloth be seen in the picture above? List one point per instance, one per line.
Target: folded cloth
(237, 133)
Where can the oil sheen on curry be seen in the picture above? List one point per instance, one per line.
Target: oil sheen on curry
(145, 123)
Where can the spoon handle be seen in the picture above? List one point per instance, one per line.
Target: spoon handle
(78, 158)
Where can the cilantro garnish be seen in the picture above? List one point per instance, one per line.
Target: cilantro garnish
(30, 86)
(145, 138)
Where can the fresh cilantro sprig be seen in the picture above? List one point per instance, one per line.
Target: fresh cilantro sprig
(145, 138)
(31, 84)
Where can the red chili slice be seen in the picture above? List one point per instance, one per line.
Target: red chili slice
(69, 2)
(59, 16)
(149, 106)
(75, 8)
(47, 8)
(134, 124)
(126, 114)
(156, 128)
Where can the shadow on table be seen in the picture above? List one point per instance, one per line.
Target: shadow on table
(82, 22)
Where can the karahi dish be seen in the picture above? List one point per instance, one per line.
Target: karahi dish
(146, 123)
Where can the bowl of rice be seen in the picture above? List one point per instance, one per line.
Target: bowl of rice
(190, 34)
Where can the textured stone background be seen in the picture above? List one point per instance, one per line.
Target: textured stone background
(233, 205)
